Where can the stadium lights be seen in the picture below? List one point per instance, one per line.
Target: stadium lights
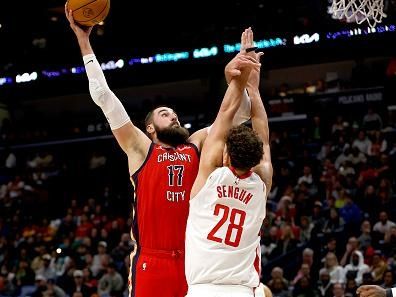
(205, 52)
(262, 44)
(26, 77)
(171, 57)
(358, 31)
(306, 39)
(51, 74)
(111, 65)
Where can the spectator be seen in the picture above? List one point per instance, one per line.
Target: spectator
(384, 225)
(78, 285)
(24, 275)
(47, 269)
(277, 273)
(362, 142)
(390, 242)
(388, 280)
(53, 290)
(307, 176)
(365, 236)
(304, 288)
(306, 229)
(350, 287)
(111, 282)
(334, 224)
(100, 260)
(352, 245)
(303, 272)
(356, 268)
(278, 289)
(378, 145)
(41, 286)
(378, 267)
(338, 290)
(351, 213)
(336, 271)
(372, 121)
(324, 284)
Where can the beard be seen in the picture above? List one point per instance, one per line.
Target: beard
(173, 135)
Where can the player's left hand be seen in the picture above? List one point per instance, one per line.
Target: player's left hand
(233, 67)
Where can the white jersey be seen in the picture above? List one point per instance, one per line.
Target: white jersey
(223, 226)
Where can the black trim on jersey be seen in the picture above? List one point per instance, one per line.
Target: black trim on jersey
(133, 271)
(195, 147)
(134, 176)
(135, 232)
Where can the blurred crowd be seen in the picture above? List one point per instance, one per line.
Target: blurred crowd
(65, 213)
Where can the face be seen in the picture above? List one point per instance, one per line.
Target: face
(366, 226)
(305, 269)
(325, 277)
(388, 277)
(353, 242)
(338, 290)
(331, 245)
(166, 127)
(383, 217)
(331, 260)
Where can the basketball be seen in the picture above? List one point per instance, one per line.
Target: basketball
(88, 12)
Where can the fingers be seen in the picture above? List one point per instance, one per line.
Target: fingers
(69, 15)
(249, 64)
(249, 37)
(243, 40)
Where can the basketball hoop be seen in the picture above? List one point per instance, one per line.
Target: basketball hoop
(358, 11)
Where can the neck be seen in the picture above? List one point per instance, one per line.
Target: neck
(239, 172)
(163, 144)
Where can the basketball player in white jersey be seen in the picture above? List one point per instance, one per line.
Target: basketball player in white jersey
(227, 205)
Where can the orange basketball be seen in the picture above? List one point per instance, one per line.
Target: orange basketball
(89, 12)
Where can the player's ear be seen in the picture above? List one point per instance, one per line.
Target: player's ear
(150, 128)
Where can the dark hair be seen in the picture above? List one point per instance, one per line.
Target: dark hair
(244, 147)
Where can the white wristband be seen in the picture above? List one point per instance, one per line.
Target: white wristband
(101, 94)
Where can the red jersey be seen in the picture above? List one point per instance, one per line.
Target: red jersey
(162, 195)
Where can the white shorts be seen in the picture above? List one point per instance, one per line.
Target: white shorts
(210, 290)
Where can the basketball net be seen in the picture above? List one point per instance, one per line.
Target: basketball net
(358, 11)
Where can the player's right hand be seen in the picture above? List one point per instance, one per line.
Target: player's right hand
(81, 32)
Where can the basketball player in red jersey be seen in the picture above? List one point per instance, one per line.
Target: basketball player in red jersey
(163, 165)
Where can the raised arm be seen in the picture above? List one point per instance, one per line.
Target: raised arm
(231, 70)
(212, 151)
(260, 125)
(131, 139)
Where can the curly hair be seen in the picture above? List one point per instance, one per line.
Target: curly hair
(244, 147)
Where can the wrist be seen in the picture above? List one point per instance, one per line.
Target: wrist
(83, 42)
(253, 92)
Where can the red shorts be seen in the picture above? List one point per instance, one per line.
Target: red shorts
(158, 273)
